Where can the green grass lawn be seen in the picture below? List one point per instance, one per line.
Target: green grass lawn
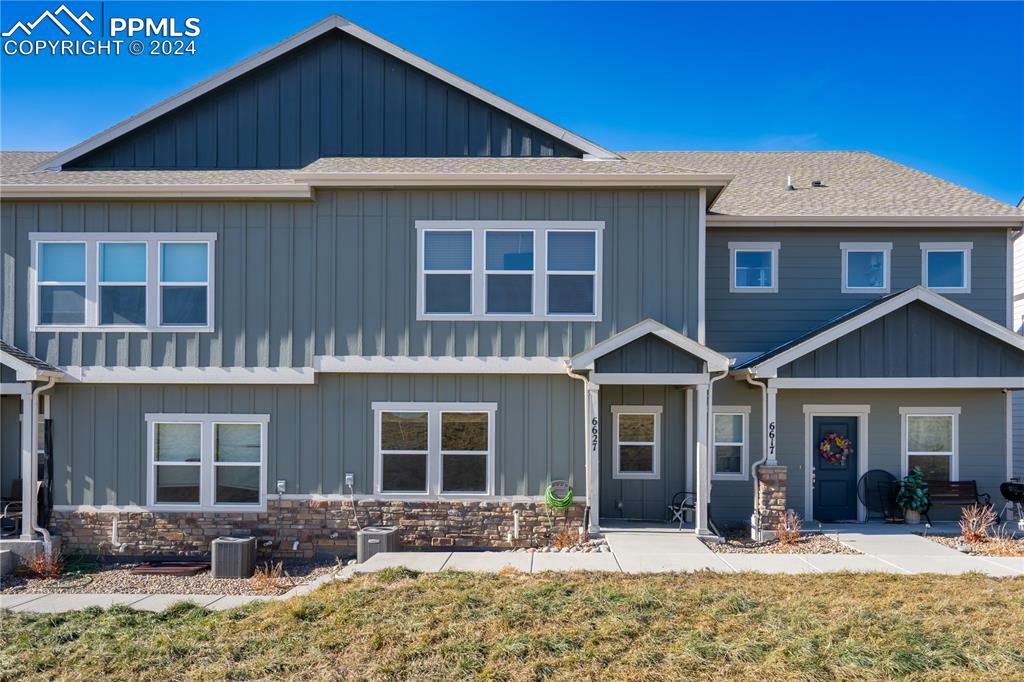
(400, 625)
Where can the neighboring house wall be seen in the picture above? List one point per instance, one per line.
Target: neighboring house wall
(810, 273)
(335, 96)
(913, 341)
(316, 433)
(338, 276)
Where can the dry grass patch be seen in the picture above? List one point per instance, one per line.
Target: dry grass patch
(402, 625)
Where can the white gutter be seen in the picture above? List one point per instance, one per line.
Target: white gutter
(29, 495)
(719, 220)
(590, 511)
(155, 191)
(764, 441)
(707, 449)
(347, 179)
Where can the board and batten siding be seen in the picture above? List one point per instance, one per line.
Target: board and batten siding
(913, 341)
(335, 96)
(316, 434)
(810, 270)
(337, 276)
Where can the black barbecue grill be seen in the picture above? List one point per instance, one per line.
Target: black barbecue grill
(1013, 493)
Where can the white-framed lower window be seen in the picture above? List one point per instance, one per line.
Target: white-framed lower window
(754, 267)
(731, 442)
(121, 281)
(207, 461)
(930, 440)
(866, 267)
(434, 449)
(509, 270)
(636, 439)
(946, 266)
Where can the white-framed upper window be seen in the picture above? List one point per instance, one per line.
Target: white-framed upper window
(509, 270)
(866, 267)
(636, 436)
(754, 267)
(207, 461)
(434, 449)
(121, 281)
(730, 443)
(946, 266)
(930, 441)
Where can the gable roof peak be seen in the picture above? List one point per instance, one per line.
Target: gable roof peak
(328, 23)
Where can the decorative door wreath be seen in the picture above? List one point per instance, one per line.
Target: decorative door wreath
(835, 449)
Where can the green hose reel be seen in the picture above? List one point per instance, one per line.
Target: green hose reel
(558, 497)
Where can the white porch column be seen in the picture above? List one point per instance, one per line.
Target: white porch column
(28, 469)
(703, 480)
(593, 434)
(769, 425)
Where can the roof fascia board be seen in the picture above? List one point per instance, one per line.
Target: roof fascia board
(770, 367)
(67, 191)
(863, 221)
(898, 383)
(586, 359)
(332, 22)
(485, 179)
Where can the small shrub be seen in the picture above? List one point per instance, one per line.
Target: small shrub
(1003, 543)
(270, 578)
(975, 522)
(567, 537)
(42, 567)
(787, 530)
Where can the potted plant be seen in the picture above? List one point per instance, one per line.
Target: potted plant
(913, 496)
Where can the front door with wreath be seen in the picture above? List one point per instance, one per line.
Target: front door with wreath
(835, 468)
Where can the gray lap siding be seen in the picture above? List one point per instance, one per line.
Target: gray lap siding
(810, 287)
(316, 433)
(337, 276)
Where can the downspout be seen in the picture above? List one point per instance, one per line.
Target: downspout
(586, 442)
(764, 439)
(33, 504)
(707, 450)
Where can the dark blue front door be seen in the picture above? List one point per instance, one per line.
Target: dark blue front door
(835, 484)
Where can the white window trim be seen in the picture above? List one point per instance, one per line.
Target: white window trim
(617, 411)
(744, 412)
(478, 301)
(207, 479)
(434, 411)
(747, 247)
(963, 247)
(867, 247)
(92, 240)
(954, 412)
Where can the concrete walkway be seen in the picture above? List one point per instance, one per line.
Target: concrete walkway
(653, 549)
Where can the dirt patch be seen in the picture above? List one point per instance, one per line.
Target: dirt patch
(738, 542)
(83, 576)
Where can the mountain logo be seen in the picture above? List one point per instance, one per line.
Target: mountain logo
(69, 16)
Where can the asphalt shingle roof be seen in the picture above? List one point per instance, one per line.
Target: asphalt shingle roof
(855, 184)
(27, 358)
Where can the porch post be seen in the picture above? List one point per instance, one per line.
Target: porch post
(592, 410)
(28, 472)
(703, 491)
(769, 425)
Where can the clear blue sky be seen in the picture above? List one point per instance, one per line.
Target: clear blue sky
(937, 86)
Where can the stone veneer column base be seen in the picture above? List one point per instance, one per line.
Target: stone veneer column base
(770, 506)
(321, 527)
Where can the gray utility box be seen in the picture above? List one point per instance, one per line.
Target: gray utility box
(233, 557)
(374, 539)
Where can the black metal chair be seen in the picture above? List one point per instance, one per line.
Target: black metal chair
(682, 503)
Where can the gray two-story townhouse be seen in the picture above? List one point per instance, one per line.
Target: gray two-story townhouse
(337, 285)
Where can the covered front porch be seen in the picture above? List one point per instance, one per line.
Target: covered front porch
(647, 411)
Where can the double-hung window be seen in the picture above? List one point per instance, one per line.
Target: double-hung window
(930, 436)
(122, 281)
(946, 266)
(754, 267)
(865, 267)
(433, 449)
(509, 270)
(637, 441)
(729, 449)
(207, 461)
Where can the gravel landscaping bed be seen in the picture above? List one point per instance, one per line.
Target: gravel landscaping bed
(1012, 547)
(117, 578)
(590, 546)
(739, 542)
